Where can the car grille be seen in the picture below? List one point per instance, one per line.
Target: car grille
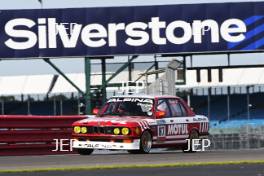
(101, 130)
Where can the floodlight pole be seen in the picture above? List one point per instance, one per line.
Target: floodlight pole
(2, 107)
(156, 66)
(184, 69)
(129, 70)
(248, 101)
(228, 103)
(87, 70)
(86, 94)
(209, 102)
(41, 3)
(103, 91)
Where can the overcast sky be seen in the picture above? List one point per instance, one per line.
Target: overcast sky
(22, 67)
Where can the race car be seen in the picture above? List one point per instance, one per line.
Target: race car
(138, 123)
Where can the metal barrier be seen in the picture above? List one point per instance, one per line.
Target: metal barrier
(246, 137)
(34, 135)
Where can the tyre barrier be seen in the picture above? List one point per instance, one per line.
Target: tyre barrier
(34, 135)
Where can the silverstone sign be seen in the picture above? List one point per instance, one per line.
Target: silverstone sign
(135, 32)
(132, 30)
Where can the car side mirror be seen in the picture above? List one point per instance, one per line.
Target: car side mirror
(160, 114)
(95, 111)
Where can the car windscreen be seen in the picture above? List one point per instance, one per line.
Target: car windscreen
(129, 107)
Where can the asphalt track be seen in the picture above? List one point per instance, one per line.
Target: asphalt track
(101, 158)
(211, 170)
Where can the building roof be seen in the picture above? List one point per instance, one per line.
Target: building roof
(16, 85)
(231, 77)
(40, 84)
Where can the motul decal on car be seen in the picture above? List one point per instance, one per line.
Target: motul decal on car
(176, 129)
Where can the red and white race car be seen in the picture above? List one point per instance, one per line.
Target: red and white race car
(139, 123)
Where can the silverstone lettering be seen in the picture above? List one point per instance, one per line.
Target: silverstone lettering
(96, 35)
(177, 129)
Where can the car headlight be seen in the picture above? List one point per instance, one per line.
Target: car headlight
(116, 131)
(125, 131)
(83, 130)
(77, 129)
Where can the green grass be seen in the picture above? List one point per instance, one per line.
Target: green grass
(78, 168)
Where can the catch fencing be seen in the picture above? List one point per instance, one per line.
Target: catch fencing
(245, 137)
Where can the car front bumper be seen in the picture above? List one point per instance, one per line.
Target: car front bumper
(135, 145)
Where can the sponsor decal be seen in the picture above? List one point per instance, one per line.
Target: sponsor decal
(198, 119)
(161, 131)
(161, 122)
(139, 100)
(177, 129)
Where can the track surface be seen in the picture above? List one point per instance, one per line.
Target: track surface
(224, 170)
(114, 158)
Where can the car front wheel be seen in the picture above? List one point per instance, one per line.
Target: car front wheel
(145, 144)
(85, 151)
